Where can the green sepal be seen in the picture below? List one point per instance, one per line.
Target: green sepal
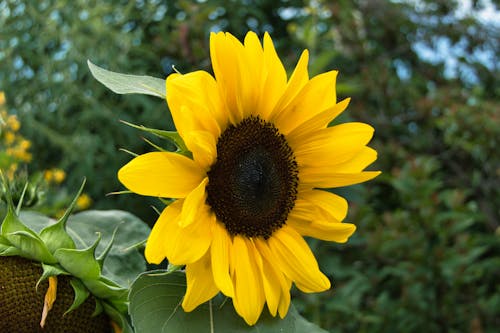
(129, 84)
(104, 253)
(99, 308)
(118, 317)
(6, 251)
(105, 288)
(171, 136)
(31, 246)
(20, 236)
(80, 263)
(155, 146)
(50, 270)
(4, 241)
(21, 199)
(81, 294)
(55, 235)
(173, 268)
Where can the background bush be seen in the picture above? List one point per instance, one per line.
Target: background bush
(426, 255)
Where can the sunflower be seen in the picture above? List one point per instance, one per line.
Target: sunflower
(261, 152)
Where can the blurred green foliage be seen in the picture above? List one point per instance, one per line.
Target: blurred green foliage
(426, 256)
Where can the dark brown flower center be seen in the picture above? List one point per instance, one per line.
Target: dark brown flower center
(253, 184)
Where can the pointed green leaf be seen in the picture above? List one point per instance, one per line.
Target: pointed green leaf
(50, 270)
(6, 251)
(155, 307)
(80, 263)
(81, 294)
(11, 223)
(172, 136)
(118, 317)
(123, 262)
(105, 288)
(55, 235)
(30, 246)
(99, 308)
(4, 241)
(104, 253)
(128, 84)
(21, 199)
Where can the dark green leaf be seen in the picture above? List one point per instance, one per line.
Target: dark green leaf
(155, 306)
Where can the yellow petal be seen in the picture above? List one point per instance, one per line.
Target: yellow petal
(161, 174)
(194, 205)
(195, 104)
(248, 290)
(297, 261)
(320, 121)
(361, 160)
(189, 244)
(50, 298)
(284, 282)
(331, 204)
(271, 284)
(155, 250)
(325, 177)
(275, 79)
(203, 146)
(200, 283)
(318, 227)
(284, 304)
(220, 251)
(332, 145)
(298, 80)
(225, 49)
(316, 96)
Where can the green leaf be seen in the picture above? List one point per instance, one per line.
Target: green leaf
(123, 262)
(80, 263)
(172, 136)
(50, 270)
(118, 318)
(55, 235)
(6, 251)
(128, 84)
(30, 246)
(81, 294)
(99, 308)
(105, 288)
(155, 300)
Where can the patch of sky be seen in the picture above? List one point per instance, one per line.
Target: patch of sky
(18, 62)
(83, 15)
(61, 53)
(252, 23)
(19, 9)
(452, 56)
(402, 69)
(217, 12)
(181, 16)
(160, 13)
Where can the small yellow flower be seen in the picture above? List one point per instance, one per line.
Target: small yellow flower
(58, 175)
(9, 138)
(13, 123)
(25, 144)
(48, 175)
(2, 98)
(83, 201)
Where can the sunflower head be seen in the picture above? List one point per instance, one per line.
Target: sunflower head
(78, 298)
(257, 177)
